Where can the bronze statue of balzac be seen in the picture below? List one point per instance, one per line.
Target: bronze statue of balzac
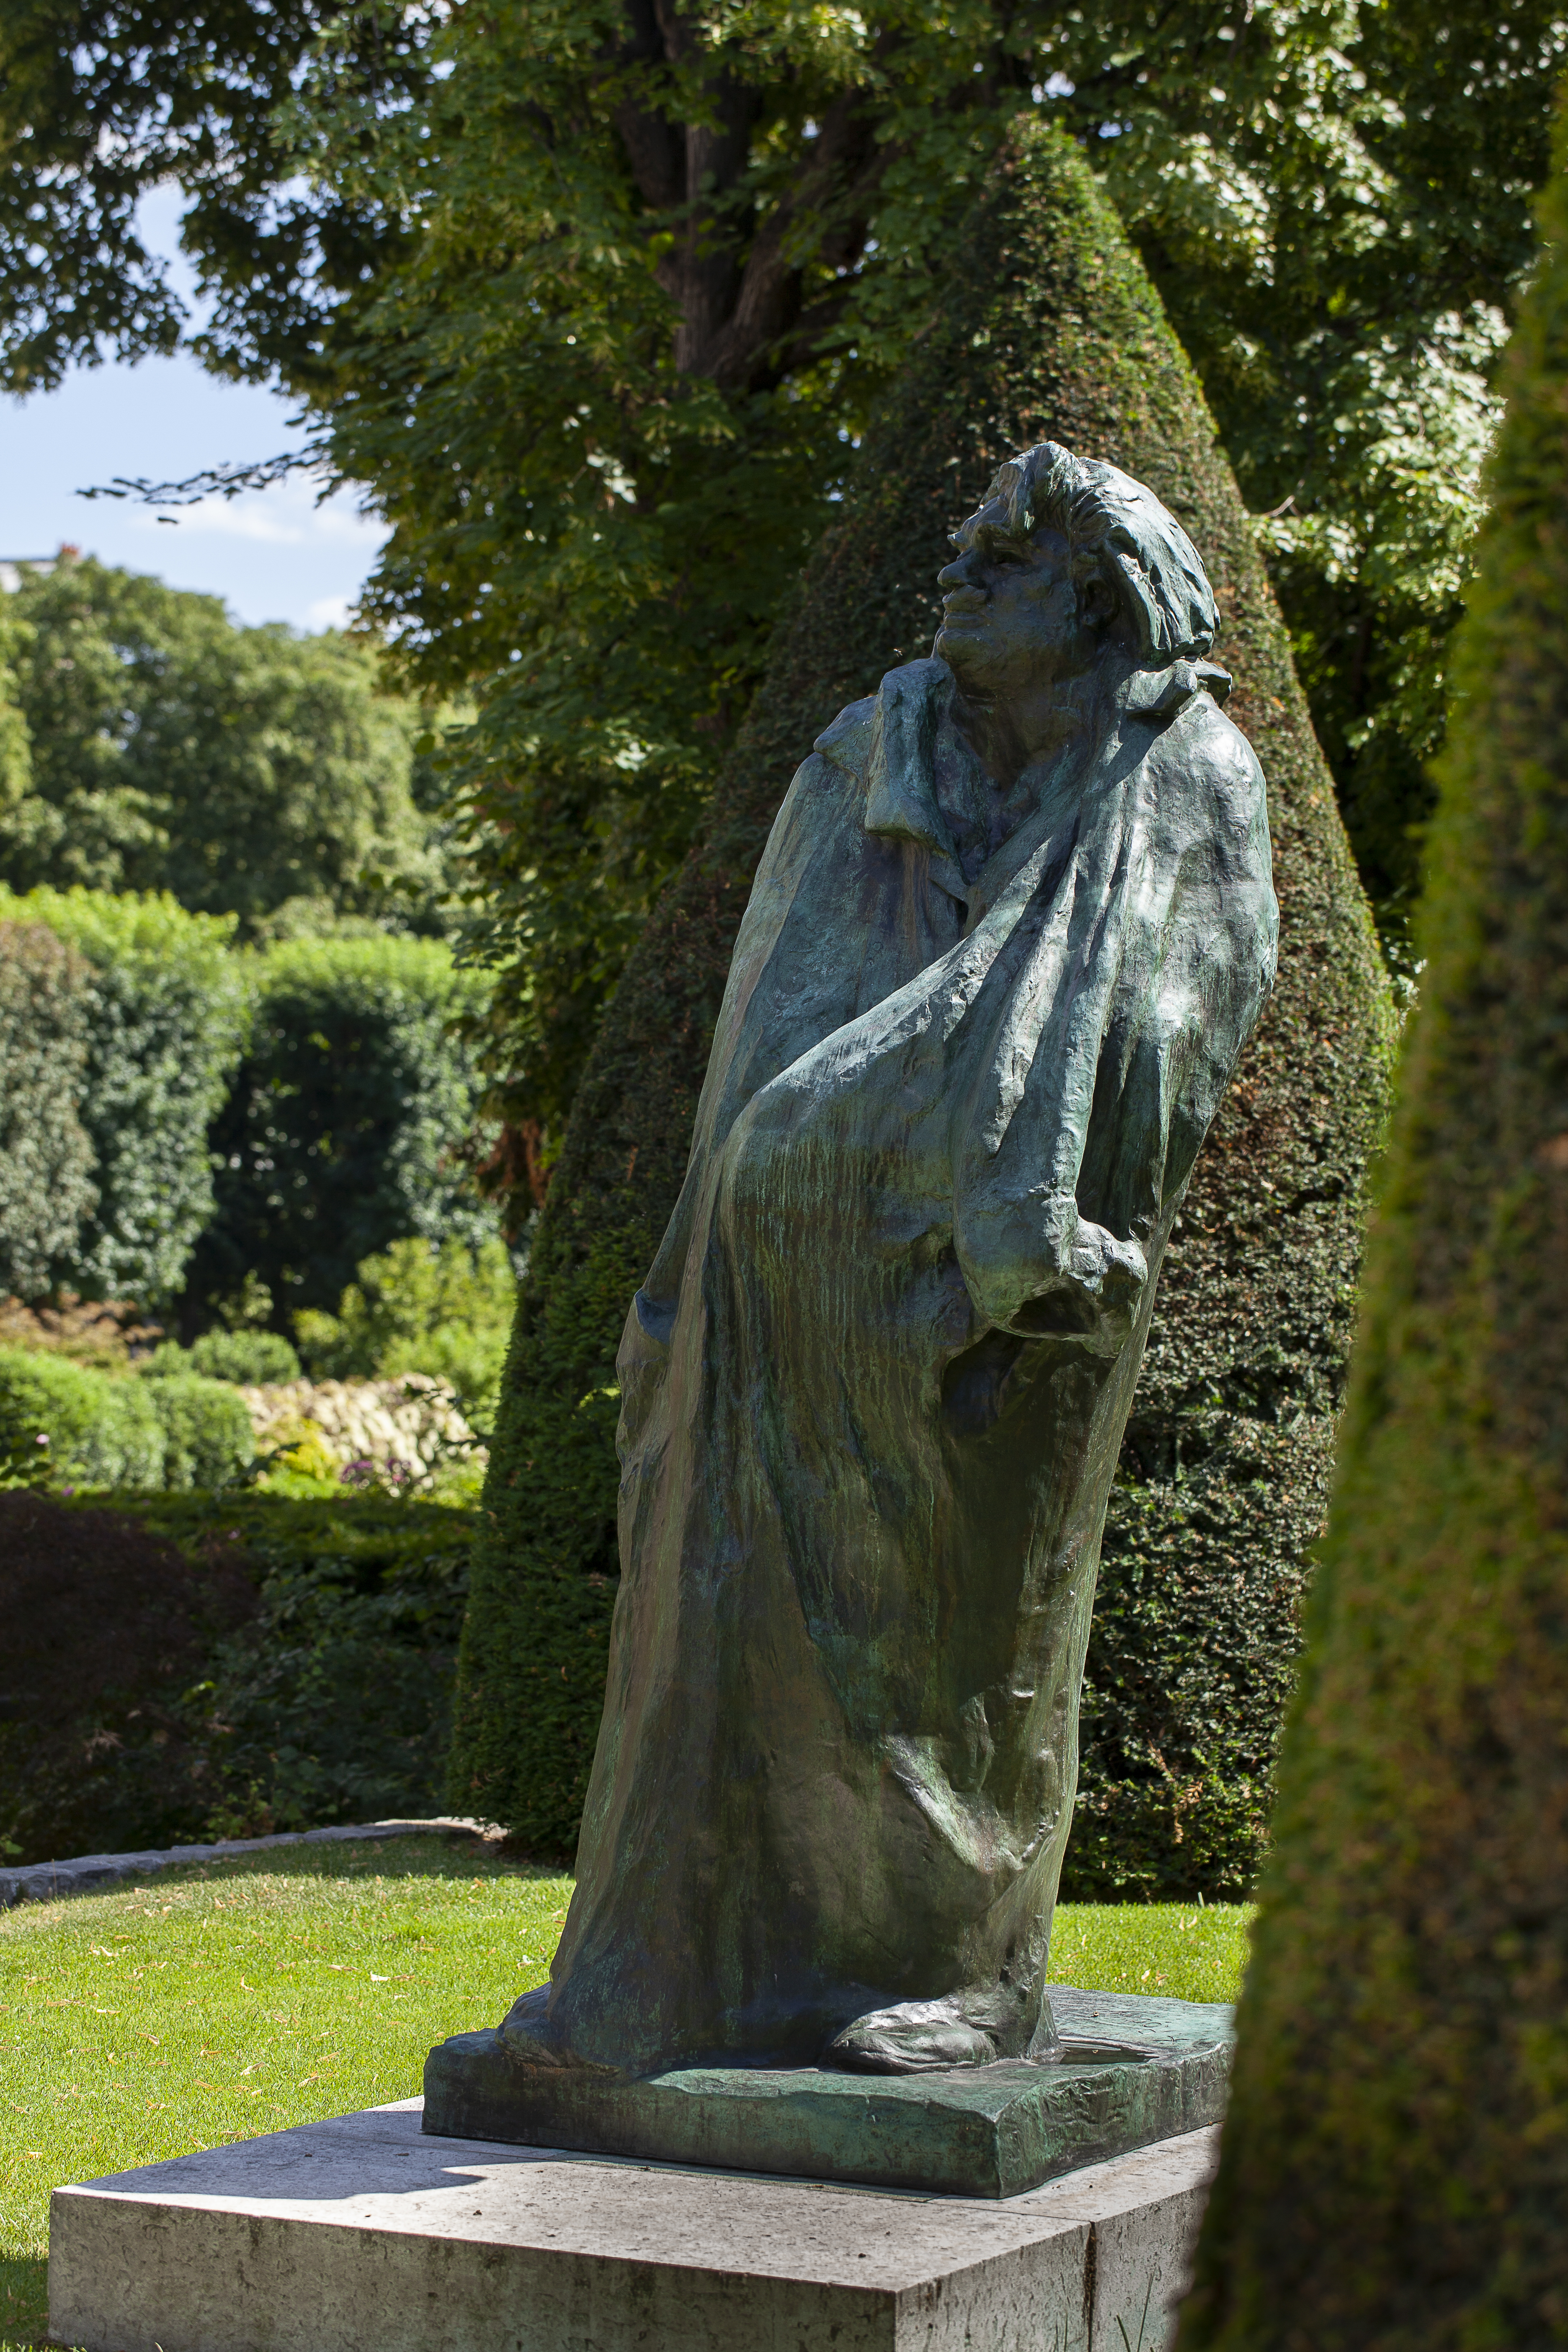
(1012, 929)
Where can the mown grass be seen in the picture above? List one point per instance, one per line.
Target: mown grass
(198, 2007)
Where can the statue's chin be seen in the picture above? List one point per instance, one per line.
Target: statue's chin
(965, 652)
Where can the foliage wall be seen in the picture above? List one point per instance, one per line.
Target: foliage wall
(81, 1426)
(46, 1189)
(177, 1668)
(1050, 326)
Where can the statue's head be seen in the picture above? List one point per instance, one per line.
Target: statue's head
(1064, 562)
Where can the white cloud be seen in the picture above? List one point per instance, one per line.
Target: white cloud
(329, 612)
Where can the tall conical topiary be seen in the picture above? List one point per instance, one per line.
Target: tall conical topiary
(1050, 329)
(1394, 2169)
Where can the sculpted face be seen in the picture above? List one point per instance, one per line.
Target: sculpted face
(1015, 632)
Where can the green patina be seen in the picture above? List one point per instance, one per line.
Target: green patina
(1050, 329)
(982, 2131)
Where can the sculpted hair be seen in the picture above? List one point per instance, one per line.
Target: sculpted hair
(1116, 529)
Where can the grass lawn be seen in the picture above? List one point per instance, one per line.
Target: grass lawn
(205, 2006)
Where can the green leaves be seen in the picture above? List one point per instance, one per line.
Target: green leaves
(247, 771)
(46, 1158)
(347, 1123)
(598, 303)
(443, 1310)
(1334, 202)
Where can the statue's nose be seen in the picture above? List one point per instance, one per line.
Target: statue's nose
(955, 574)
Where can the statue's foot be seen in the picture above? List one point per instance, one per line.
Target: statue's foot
(533, 2040)
(916, 2037)
(921, 2037)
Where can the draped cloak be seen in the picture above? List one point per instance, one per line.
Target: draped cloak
(875, 1383)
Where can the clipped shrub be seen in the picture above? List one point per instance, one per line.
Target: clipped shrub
(1049, 327)
(344, 1128)
(165, 1022)
(207, 1436)
(417, 1309)
(334, 1703)
(249, 1358)
(1393, 2173)
(108, 1624)
(330, 1696)
(102, 1431)
(46, 1189)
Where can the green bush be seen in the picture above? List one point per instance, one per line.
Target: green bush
(248, 1359)
(311, 1681)
(206, 1430)
(166, 1017)
(102, 1431)
(347, 1121)
(1393, 2174)
(335, 1702)
(113, 1430)
(46, 1154)
(416, 1308)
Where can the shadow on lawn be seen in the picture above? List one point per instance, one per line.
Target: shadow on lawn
(24, 2300)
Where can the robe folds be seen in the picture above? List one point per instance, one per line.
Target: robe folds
(874, 1386)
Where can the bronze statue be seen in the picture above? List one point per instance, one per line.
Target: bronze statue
(1010, 930)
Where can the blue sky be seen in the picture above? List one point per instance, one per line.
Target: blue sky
(273, 555)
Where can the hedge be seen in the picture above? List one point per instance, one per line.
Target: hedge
(250, 1359)
(347, 1123)
(253, 1358)
(180, 1667)
(165, 1020)
(207, 1438)
(103, 1430)
(1393, 2173)
(1049, 327)
(47, 1188)
(108, 1625)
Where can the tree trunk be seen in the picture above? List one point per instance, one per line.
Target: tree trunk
(1050, 329)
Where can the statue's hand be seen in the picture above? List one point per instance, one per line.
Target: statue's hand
(1114, 1272)
(1093, 1296)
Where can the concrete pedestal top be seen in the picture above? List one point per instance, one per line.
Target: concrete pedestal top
(367, 2235)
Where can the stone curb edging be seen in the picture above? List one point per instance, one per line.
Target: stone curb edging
(47, 1881)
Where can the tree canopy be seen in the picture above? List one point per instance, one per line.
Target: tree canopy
(597, 296)
(243, 769)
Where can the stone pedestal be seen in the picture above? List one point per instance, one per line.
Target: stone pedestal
(369, 2235)
(1139, 2070)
